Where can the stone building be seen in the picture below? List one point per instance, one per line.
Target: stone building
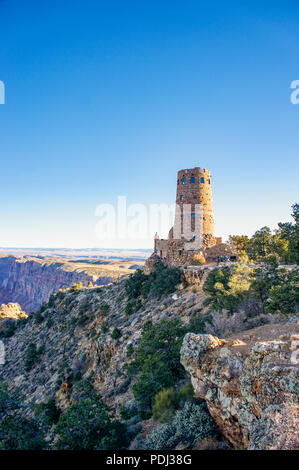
(192, 239)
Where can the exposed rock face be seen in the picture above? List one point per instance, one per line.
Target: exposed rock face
(11, 310)
(195, 275)
(31, 283)
(67, 342)
(251, 388)
(9, 315)
(149, 265)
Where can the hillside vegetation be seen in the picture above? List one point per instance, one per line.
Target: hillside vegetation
(104, 362)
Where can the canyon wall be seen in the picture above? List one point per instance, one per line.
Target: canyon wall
(31, 282)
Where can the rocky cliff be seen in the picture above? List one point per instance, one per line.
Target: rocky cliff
(250, 384)
(77, 335)
(248, 380)
(10, 314)
(30, 282)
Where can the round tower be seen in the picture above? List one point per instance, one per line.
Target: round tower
(194, 202)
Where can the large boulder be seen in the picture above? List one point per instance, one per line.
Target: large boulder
(250, 384)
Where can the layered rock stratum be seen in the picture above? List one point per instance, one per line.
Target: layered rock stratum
(30, 281)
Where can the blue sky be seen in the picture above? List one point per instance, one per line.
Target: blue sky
(112, 98)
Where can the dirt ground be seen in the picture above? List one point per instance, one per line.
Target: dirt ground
(245, 340)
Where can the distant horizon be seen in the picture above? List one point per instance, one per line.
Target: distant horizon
(132, 248)
(104, 99)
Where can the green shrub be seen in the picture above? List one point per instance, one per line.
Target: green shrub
(105, 327)
(197, 324)
(191, 424)
(228, 287)
(48, 412)
(162, 280)
(17, 432)
(51, 300)
(82, 319)
(88, 426)
(32, 356)
(116, 333)
(165, 404)
(10, 330)
(38, 318)
(284, 298)
(130, 350)
(77, 376)
(134, 284)
(133, 305)
(127, 412)
(104, 308)
(186, 392)
(250, 288)
(49, 323)
(157, 360)
(8, 400)
(42, 308)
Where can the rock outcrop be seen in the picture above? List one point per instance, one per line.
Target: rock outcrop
(11, 310)
(10, 314)
(250, 384)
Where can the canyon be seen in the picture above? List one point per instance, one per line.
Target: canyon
(31, 280)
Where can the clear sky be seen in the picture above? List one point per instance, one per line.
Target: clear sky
(109, 98)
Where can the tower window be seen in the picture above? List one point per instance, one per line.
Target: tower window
(209, 181)
(184, 181)
(181, 198)
(192, 179)
(202, 180)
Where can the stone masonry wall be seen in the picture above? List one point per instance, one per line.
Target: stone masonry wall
(194, 187)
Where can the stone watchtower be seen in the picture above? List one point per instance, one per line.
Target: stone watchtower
(194, 217)
(193, 230)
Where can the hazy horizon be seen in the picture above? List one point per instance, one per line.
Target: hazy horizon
(109, 99)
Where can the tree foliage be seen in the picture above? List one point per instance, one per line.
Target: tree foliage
(162, 280)
(157, 360)
(16, 431)
(283, 242)
(87, 425)
(272, 288)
